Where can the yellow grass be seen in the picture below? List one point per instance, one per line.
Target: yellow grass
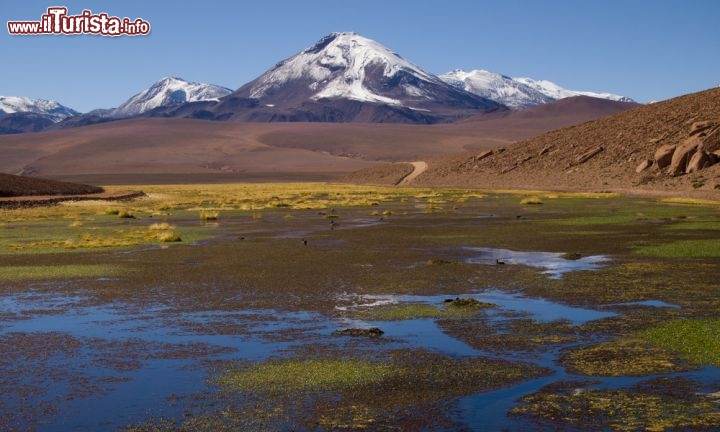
(209, 200)
(553, 195)
(690, 201)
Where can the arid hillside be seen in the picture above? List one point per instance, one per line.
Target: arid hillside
(672, 145)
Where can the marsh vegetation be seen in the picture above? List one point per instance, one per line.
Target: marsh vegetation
(222, 307)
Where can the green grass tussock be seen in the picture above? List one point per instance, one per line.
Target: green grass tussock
(44, 272)
(305, 375)
(702, 248)
(695, 340)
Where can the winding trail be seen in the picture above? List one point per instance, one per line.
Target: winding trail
(419, 167)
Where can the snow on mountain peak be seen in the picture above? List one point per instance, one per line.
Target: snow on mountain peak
(336, 67)
(49, 108)
(169, 91)
(516, 92)
(497, 87)
(556, 92)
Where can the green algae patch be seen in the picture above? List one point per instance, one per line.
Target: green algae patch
(701, 248)
(305, 375)
(656, 405)
(695, 340)
(397, 390)
(628, 357)
(72, 271)
(699, 225)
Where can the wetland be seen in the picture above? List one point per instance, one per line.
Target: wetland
(334, 307)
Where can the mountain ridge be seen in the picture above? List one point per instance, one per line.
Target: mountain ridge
(51, 109)
(168, 91)
(517, 93)
(343, 77)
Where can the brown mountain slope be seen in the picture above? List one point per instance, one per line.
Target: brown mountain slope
(177, 149)
(599, 155)
(12, 186)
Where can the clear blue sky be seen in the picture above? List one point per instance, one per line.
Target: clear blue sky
(645, 49)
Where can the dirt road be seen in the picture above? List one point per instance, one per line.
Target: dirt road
(419, 167)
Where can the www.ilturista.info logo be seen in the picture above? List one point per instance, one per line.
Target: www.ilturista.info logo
(56, 22)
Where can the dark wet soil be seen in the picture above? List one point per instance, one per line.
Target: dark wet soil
(141, 350)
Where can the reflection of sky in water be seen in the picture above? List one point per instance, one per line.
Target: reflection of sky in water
(538, 308)
(145, 390)
(553, 263)
(648, 303)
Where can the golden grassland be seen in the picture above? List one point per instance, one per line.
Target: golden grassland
(210, 200)
(100, 224)
(91, 224)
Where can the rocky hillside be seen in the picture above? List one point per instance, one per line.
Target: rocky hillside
(667, 146)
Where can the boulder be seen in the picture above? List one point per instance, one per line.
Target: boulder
(682, 154)
(524, 159)
(647, 163)
(508, 169)
(663, 155)
(588, 155)
(700, 126)
(546, 150)
(698, 161)
(483, 155)
(711, 141)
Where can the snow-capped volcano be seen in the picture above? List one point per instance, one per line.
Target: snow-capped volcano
(516, 92)
(47, 108)
(166, 92)
(336, 67)
(347, 67)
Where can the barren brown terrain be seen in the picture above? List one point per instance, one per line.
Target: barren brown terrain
(183, 150)
(27, 201)
(14, 186)
(600, 155)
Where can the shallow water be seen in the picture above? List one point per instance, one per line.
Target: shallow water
(257, 336)
(538, 309)
(489, 410)
(553, 263)
(416, 333)
(144, 390)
